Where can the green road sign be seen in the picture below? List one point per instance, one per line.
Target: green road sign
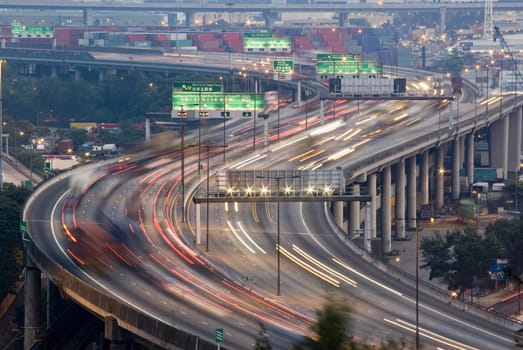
(218, 335)
(258, 35)
(180, 188)
(23, 226)
(246, 114)
(266, 43)
(329, 57)
(285, 66)
(348, 67)
(48, 166)
(209, 101)
(28, 184)
(197, 87)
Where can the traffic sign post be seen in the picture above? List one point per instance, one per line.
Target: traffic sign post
(218, 336)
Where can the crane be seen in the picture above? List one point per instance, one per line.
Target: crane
(510, 55)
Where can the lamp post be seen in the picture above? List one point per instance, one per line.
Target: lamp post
(1, 132)
(207, 193)
(224, 115)
(417, 285)
(306, 108)
(476, 95)
(486, 95)
(277, 178)
(199, 131)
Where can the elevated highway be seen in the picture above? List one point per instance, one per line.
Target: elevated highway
(442, 8)
(132, 310)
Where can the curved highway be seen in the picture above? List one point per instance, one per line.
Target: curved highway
(118, 228)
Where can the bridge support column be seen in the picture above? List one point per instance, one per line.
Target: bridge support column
(354, 219)
(117, 337)
(33, 301)
(342, 19)
(400, 199)
(147, 129)
(298, 93)
(371, 183)
(198, 223)
(189, 19)
(456, 167)
(411, 193)
(515, 120)
(424, 178)
(440, 173)
(54, 303)
(498, 145)
(101, 75)
(367, 237)
(87, 17)
(470, 158)
(77, 74)
(338, 215)
(322, 112)
(270, 18)
(443, 19)
(386, 210)
(54, 71)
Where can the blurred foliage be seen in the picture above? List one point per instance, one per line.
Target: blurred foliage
(461, 256)
(57, 101)
(332, 332)
(12, 199)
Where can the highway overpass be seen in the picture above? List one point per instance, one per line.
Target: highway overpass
(397, 160)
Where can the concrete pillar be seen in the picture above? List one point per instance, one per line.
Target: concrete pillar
(198, 223)
(354, 219)
(371, 180)
(424, 178)
(189, 19)
(440, 176)
(367, 239)
(322, 112)
(456, 167)
(87, 17)
(342, 19)
(101, 75)
(386, 210)
(443, 19)
(77, 74)
(147, 129)
(470, 158)
(498, 145)
(54, 71)
(270, 18)
(400, 199)
(411, 193)
(54, 304)
(33, 304)
(298, 93)
(515, 140)
(338, 214)
(118, 338)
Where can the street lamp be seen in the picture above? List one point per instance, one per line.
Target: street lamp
(207, 194)
(224, 114)
(199, 130)
(277, 178)
(1, 132)
(417, 284)
(306, 108)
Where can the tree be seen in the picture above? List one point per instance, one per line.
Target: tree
(459, 257)
(12, 199)
(330, 329)
(262, 343)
